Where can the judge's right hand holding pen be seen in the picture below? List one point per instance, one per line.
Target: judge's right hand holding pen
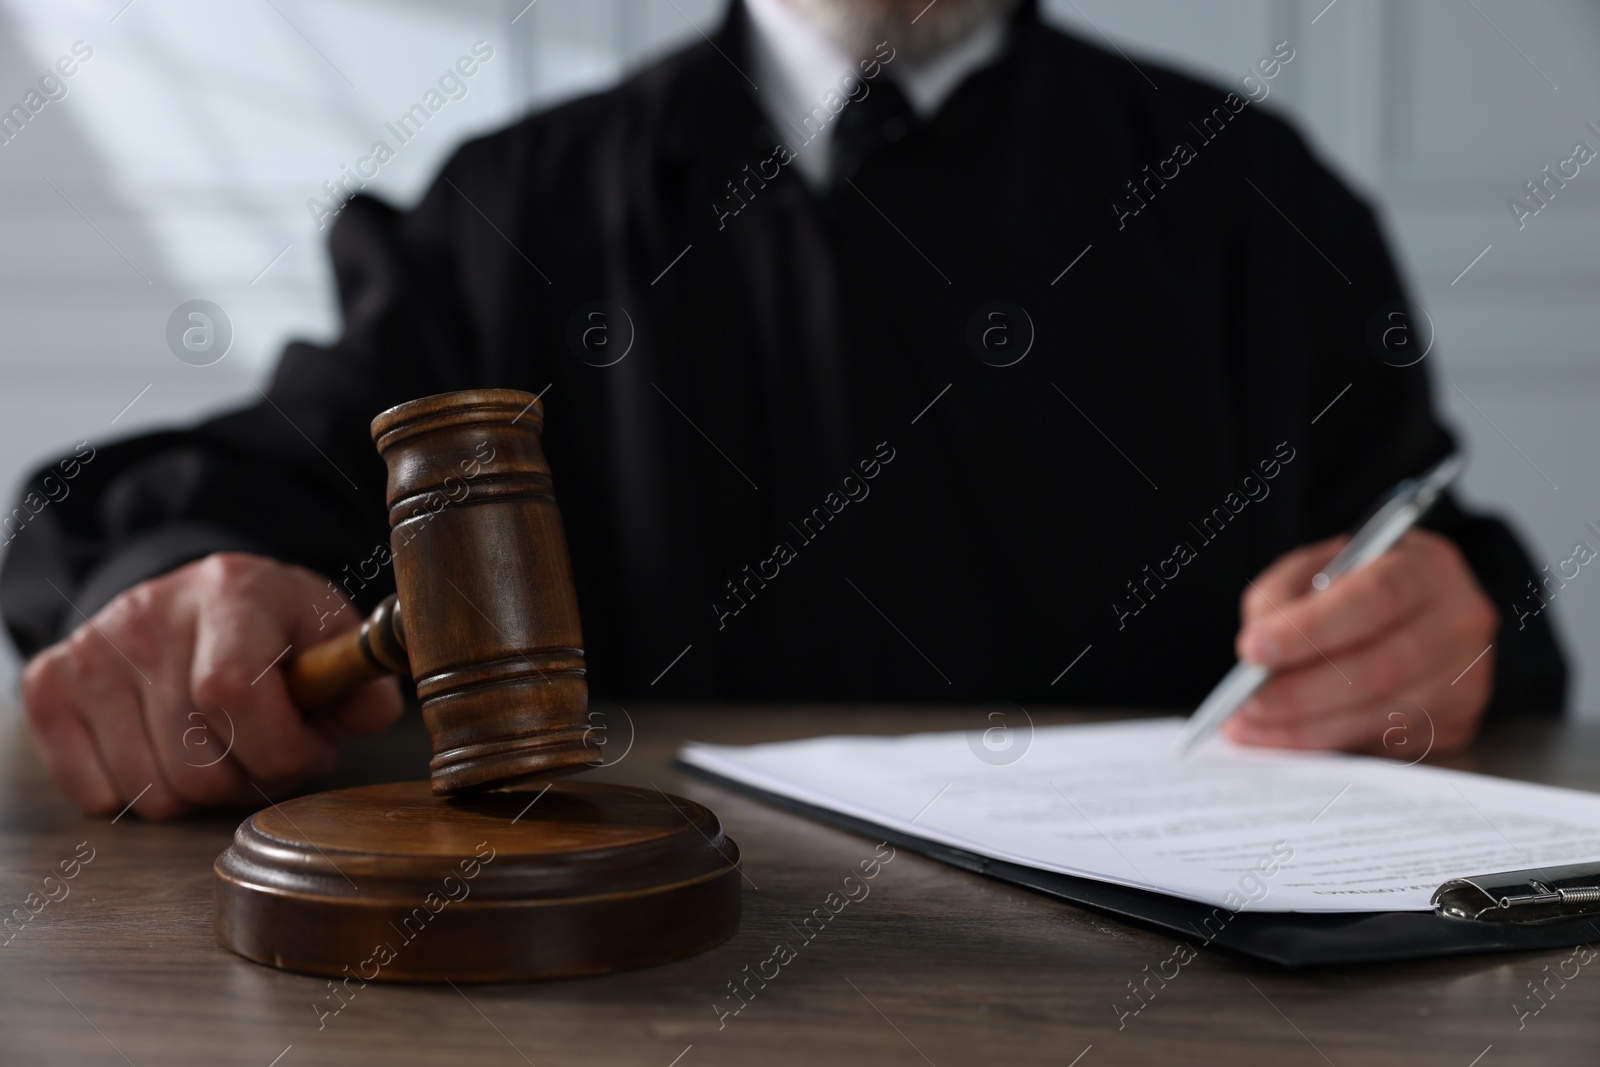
(1410, 626)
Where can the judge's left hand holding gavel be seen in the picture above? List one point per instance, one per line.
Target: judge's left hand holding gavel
(140, 703)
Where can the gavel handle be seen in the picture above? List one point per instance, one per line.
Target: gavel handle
(325, 674)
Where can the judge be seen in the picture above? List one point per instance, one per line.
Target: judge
(889, 352)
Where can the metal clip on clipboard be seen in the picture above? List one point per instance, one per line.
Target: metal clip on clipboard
(1542, 895)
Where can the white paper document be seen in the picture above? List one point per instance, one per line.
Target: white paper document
(1240, 828)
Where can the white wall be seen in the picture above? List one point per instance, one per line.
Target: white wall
(179, 164)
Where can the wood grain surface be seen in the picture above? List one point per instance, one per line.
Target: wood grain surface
(934, 965)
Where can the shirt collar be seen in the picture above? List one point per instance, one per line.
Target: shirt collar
(797, 66)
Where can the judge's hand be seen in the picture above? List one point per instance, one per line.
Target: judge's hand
(173, 686)
(1382, 661)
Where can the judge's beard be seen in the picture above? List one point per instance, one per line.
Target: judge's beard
(915, 28)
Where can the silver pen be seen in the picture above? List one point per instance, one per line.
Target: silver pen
(1407, 503)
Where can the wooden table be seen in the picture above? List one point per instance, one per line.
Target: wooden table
(936, 966)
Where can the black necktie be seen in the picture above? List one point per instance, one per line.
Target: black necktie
(868, 125)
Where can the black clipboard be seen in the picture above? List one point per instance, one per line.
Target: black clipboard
(1292, 939)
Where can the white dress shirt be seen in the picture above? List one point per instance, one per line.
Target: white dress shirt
(797, 66)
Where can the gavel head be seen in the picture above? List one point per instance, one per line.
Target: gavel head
(488, 609)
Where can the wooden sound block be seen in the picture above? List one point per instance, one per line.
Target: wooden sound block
(393, 883)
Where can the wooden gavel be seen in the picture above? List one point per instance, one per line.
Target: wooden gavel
(485, 618)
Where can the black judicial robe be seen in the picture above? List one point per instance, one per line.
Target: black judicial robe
(802, 482)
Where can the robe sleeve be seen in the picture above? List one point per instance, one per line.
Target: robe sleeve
(1369, 389)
